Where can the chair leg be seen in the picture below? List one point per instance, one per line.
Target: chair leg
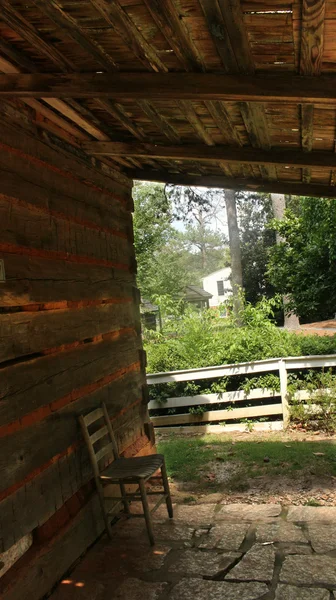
(103, 509)
(167, 490)
(125, 501)
(147, 514)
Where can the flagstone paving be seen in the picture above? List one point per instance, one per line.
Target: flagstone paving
(213, 552)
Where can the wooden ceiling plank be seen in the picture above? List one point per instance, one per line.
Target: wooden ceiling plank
(228, 154)
(311, 55)
(220, 36)
(17, 57)
(67, 24)
(16, 22)
(194, 120)
(221, 181)
(312, 36)
(119, 20)
(173, 86)
(172, 26)
(161, 123)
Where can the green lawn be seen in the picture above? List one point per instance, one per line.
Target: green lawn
(187, 457)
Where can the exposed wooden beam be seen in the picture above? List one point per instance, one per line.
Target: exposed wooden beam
(173, 86)
(221, 181)
(228, 154)
(311, 54)
(312, 36)
(171, 25)
(22, 27)
(118, 19)
(67, 24)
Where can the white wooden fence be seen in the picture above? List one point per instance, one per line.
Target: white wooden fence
(277, 365)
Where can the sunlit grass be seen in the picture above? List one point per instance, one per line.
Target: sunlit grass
(187, 457)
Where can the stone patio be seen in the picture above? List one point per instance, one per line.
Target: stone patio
(213, 552)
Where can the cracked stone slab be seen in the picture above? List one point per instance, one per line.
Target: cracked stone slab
(280, 532)
(199, 589)
(309, 570)
(173, 531)
(289, 592)
(312, 513)
(135, 589)
(322, 537)
(249, 512)
(198, 562)
(256, 565)
(195, 515)
(296, 549)
(226, 536)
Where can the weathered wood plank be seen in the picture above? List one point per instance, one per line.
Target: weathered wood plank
(41, 192)
(28, 448)
(229, 154)
(169, 22)
(312, 36)
(32, 504)
(225, 397)
(221, 181)
(28, 386)
(53, 559)
(31, 280)
(183, 86)
(76, 178)
(23, 225)
(26, 333)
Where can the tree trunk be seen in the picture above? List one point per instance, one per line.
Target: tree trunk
(279, 206)
(235, 251)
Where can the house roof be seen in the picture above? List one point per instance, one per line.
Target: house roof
(193, 292)
(235, 94)
(218, 271)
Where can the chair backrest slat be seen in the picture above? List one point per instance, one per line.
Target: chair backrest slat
(105, 447)
(103, 451)
(93, 416)
(97, 435)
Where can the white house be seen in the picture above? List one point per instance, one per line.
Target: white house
(218, 284)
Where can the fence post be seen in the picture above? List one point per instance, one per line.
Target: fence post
(283, 392)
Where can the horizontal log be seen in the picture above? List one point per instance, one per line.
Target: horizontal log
(186, 86)
(26, 333)
(36, 501)
(221, 181)
(33, 186)
(31, 280)
(22, 225)
(61, 165)
(228, 154)
(54, 559)
(34, 446)
(31, 385)
(219, 415)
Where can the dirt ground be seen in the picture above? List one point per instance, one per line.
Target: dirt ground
(305, 487)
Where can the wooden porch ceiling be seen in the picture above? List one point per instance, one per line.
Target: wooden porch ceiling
(232, 93)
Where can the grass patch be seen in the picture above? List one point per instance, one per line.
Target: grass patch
(187, 457)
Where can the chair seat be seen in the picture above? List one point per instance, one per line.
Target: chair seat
(140, 467)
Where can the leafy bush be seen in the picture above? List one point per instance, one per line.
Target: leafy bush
(318, 412)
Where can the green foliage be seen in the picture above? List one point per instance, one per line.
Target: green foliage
(318, 412)
(254, 215)
(304, 266)
(265, 382)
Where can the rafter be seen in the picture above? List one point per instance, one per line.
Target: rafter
(228, 154)
(172, 27)
(172, 86)
(221, 181)
(311, 54)
(120, 22)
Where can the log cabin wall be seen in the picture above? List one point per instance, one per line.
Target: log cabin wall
(69, 339)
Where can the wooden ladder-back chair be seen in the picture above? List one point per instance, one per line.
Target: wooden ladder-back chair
(122, 471)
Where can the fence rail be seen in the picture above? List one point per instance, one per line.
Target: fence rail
(280, 365)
